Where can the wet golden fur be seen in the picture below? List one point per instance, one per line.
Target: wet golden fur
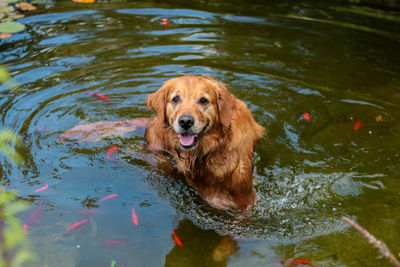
(220, 166)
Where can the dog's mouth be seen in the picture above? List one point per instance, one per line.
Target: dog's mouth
(188, 141)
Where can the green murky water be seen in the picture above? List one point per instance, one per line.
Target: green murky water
(337, 61)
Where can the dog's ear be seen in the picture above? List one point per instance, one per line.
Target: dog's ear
(226, 103)
(157, 101)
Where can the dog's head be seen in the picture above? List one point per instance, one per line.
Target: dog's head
(191, 106)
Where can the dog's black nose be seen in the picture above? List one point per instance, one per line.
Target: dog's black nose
(186, 121)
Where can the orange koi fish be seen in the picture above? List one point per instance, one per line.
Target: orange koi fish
(33, 218)
(176, 239)
(108, 197)
(306, 116)
(99, 96)
(111, 151)
(76, 225)
(297, 262)
(42, 188)
(134, 217)
(357, 125)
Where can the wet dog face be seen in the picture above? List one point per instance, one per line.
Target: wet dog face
(191, 109)
(190, 106)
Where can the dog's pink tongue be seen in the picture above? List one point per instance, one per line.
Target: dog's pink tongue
(187, 139)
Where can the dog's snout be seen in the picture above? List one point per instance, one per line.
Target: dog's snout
(186, 121)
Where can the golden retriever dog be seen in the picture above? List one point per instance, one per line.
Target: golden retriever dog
(210, 134)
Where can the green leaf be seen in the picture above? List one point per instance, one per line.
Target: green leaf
(22, 256)
(112, 263)
(11, 153)
(6, 197)
(16, 207)
(8, 81)
(13, 234)
(15, 16)
(11, 27)
(8, 136)
(4, 75)
(7, 9)
(7, 140)
(11, 1)
(14, 241)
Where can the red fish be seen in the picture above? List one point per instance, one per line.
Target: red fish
(99, 96)
(297, 262)
(111, 151)
(176, 239)
(114, 242)
(306, 116)
(42, 188)
(134, 217)
(25, 228)
(33, 218)
(76, 225)
(357, 125)
(165, 22)
(108, 197)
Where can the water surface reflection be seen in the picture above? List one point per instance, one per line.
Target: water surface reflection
(337, 61)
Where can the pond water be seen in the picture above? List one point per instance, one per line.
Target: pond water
(338, 61)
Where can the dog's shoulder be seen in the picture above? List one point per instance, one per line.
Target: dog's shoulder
(244, 127)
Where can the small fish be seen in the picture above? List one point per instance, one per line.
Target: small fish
(85, 1)
(176, 239)
(306, 116)
(108, 197)
(42, 188)
(134, 217)
(111, 151)
(33, 218)
(165, 22)
(99, 96)
(76, 225)
(35, 214)
(357, 125)
(114, 242)
(5, 35)
(25, 7)
(297, 262)
(25, 228)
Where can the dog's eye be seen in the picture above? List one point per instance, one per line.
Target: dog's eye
(203, 101)
(176, 99)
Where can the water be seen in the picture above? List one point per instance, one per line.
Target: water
(337, 61)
